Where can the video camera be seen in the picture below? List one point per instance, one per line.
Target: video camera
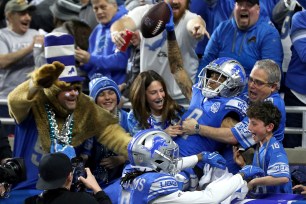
(13, 171)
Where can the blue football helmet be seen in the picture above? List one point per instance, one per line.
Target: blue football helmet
(227, 68)
(153, 150)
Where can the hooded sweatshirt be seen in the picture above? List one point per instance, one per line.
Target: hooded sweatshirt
(103, 58)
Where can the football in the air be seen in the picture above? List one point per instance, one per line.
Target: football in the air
(155, 20)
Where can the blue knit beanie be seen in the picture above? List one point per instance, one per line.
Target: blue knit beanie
(99, 83)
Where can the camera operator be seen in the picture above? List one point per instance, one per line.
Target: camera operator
(5, 153)
(5, 148)
(56, 183)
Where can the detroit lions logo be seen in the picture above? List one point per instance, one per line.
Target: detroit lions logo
(156, 143)
(158, 43)
(215, 107)
(71, 71)
(236, 71)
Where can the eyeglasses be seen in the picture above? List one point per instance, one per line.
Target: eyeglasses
(257, 82)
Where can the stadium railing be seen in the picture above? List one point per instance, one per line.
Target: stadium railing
(294, 154)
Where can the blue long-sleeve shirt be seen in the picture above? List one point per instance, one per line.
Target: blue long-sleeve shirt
(260, 41)
(220, 10)
(103, 58)
(296, 74)
(268, 6)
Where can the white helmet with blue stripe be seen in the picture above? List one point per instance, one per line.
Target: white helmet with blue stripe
(153, 150)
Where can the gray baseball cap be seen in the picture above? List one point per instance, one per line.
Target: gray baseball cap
(18, 5)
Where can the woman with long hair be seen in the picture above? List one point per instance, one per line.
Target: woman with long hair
(152, 106)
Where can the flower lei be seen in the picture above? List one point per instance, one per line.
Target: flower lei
(64, 137)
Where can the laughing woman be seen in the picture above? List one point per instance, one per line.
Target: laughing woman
(152, 106)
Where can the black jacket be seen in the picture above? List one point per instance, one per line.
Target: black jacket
(64, 196)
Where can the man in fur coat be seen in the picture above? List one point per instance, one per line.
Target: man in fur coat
(52, 114)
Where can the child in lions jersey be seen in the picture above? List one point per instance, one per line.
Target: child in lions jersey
(269, 155)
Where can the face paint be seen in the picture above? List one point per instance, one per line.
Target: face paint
(68, 93)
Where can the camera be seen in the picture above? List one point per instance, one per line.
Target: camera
(78, 170)
(13, 171)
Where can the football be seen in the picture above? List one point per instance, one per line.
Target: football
(155, 20)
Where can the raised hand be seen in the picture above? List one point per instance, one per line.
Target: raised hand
(214, 159)
(170, 24)
(90, 181)
(198, 31)
(47, 74)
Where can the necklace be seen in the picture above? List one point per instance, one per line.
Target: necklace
(64, 136)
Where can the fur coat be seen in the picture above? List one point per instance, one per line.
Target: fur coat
(89, 119)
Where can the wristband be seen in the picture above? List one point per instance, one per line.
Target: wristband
(197, 128)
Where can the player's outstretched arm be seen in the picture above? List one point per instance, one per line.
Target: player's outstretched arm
(222, 134)
(215, 192)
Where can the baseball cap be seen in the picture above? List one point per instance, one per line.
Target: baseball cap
(53, 171)
(18, 5)
(251, 1)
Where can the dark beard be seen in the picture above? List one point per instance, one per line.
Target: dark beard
(178, 17)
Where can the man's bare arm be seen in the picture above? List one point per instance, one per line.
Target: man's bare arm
(10, 58)
(177, 67)
(222, 134)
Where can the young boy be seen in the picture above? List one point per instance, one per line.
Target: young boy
(106, 165)
(269, 155)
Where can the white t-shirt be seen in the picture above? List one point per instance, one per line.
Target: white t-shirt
(16, 73)
(153, 51)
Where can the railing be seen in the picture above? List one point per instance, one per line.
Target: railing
(289, 109)
(6, 121)
(302, 131)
